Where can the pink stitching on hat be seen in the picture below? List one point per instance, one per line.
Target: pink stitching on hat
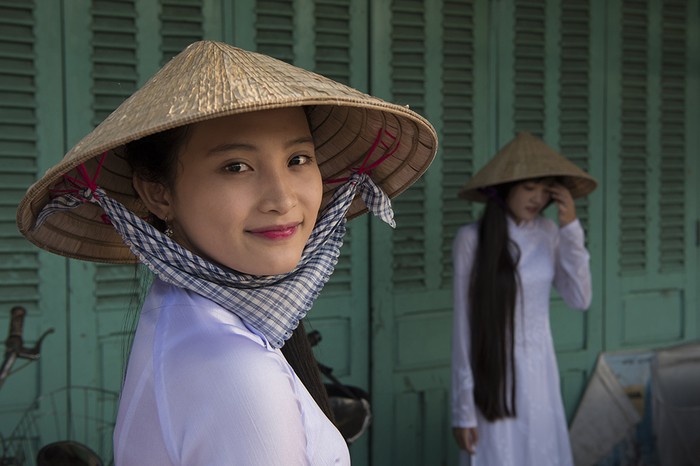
(364, 168)
(80, 184)
(84, 187)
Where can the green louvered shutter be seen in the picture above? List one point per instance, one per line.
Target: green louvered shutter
(30, 128)
(329, 37)
(634, 190)
(673, 204)
(101, 309)
(654, 148)
(122, 51)
(181, 23)
(342, 312)
(546, 88)
(333, 37)
(458, 124)
(423, 56)
(333, 58)
(574, 92)
(274, 25)
(19, 275)
(408, 57)
(577, 336)
(398, 263)
(114, 78)
(530, 66)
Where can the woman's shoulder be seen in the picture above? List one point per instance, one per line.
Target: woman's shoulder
(546, 225)
(468, 232)
(190, 327)
(203, 345)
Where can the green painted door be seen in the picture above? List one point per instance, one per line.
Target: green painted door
(613, 86)
(114, 47)
(424, 55)
(652, 148)
(30, 129)
(64, 66)
(547, 58)
(111, 48)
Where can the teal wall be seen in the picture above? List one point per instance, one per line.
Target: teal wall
(615, 85)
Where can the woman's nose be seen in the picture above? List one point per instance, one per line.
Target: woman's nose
(542, 196)
(278, 193)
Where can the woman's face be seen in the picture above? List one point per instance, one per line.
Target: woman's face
(247, 191)
(527, 199)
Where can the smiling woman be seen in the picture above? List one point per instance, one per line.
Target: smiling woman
(231, 176)
(263, 191)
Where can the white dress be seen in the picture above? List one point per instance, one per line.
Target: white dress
(538, 436)
(204, 389)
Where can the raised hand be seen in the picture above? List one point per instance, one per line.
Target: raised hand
(565, 203)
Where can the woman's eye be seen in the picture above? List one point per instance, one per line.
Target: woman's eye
(237, 167)
(300, 160)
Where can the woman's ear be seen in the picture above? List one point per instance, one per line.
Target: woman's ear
(155, 196)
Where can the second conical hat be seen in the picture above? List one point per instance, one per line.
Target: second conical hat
(527, 157)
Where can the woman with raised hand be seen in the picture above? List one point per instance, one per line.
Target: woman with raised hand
(506, 402)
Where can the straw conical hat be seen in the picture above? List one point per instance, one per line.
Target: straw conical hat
(526, 157)
(209, 80)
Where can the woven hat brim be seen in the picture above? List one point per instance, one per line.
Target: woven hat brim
(577, 186)
(527, 157)
(344, 123)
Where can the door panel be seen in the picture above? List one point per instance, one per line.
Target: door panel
(30, 130)
(423, 55)
(548, 89)
(104, 61)
(114, 50)
(654, 193)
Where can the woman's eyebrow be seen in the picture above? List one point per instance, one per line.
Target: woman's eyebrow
(240, 146)
(229, 147)
(301, 140)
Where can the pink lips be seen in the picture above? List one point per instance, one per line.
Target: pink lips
(276, 231)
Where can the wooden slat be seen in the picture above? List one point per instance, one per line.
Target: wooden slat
(456, 143)
(530, 27)
(19, 278)
(115, 77)
(408, 88)
(332, 30)
(673, 175)
(574, 101)
(181, 24)
(275, 29)
(633, 145)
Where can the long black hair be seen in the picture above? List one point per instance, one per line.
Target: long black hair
(493, 289)
(154, 158)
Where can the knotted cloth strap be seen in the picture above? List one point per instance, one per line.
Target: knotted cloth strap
(274, 304)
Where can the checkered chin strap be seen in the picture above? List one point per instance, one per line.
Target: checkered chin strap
(274, 304)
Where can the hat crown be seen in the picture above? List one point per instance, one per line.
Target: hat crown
(209, 79)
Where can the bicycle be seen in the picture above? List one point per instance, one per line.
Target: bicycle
(350, 404)
(63, 415)
(52, 416)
